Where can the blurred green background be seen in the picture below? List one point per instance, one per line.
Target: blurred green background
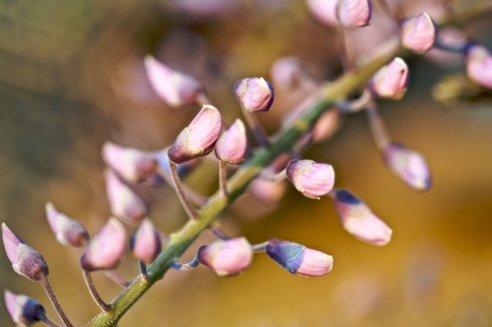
(71, 78)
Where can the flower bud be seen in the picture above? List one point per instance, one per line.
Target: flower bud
(131, 164)
(354, 13)
(311, 178)
(146, 243)
(325, 11)
(268, 191)
(124, 202)
(326, 126)
(409, 165)
(288, 73)
(199, 137)
(106, 248)
(68, 232)
(298, 259)
(175, 88)
(418, 33)
(391, 80)
(25, 261)
(254, 94)
(227, 257)
(232, 144)
(23, 310)
(358, 220)
(479, 65)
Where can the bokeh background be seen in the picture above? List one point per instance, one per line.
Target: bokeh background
(71, 77)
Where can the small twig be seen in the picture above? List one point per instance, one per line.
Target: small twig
(223, 178)
(178, 187)
(143, 270)
(378, 128)
(54, 301)
(217, 231)
(112, 275)
(255, 127)
(186, 266)
(261, 247)
(47, 321)
(93, 291)
(196, 198)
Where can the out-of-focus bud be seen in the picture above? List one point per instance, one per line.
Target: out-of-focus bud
(326, 126)
(227, 257)
(448, 36)
(354, 13)
(391, 80)
(325, 11)
(479, 65)
(287, 73)
(131, 164)
(358, 219)
(125, 204)
(254, 94)
(311, 178)
(298, 259)
(418, 33)
(106, 248)
(68, 232)
(146, 243)
(268, 191)
(409, 165)
(199, 137)
(25, 260)
(232, 144)
(23, 310)
(175, 88)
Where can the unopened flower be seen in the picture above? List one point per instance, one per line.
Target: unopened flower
(268, 191)
(25, 260)
(146, 243)
(311, 178)
(254, 94)
(409, 165)
(227, 257)
(67, 231)
(358, 219)
(325, 11)
(287, 73)
(23, 310)
(106, 248)
(326, 126)
(354, 13)
(175, 88)
(232, 144)
(391, 80)
(125, 204)
(199, 137)
(479, 65)
(298, 259)
(131, 164)
(418, 33)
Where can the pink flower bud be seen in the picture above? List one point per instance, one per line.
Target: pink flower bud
(124, 202)
(232, 144)
(146, 244)
(227, 257)
(68, 232)
(199, 137)
(409, 165)
(131, 164)
(358, 219)
(175, 88)
(298, 259)
(268, 191)
(325, 11)
(479, 65)
(25, 261)
(326, 126)
(391, 80)
(310, 178)
(354, 13)
(418, 33)
(23, 310)
(106, 248)
(254, 94)
(287, 73)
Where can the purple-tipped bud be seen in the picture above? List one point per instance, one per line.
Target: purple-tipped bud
(232, 144)
(23, 310)
(106, 248)
(325, 11)
(254, 94)
(391, 80)
(146, 243)
(227, 257)
(124, 202)
(25, 260)
(175, 88)
(358, 219)
(131, 164)
(298, 259)
(354, 13)
(311, 178)
(68, 232)
(479, 65)
(410, 165)
(418, 33)
(199, 137)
